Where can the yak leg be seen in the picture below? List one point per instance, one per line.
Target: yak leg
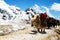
(41, 30)
(38, 30)
(44, 30)
(49, 26)
(32, 25)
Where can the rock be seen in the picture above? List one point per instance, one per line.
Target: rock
(57, 30)
(5, 29)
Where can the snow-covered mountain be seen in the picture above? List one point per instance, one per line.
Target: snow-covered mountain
(13, 15)
(39, 9)
(8, 12)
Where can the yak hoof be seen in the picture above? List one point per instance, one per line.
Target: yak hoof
(43, 32)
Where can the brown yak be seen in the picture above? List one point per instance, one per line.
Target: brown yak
(36, 21)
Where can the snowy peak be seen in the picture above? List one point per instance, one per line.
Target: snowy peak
(3, 5)
(8, 11)
(34, 9)
(37, 8)
(42, 9)
(14, 8)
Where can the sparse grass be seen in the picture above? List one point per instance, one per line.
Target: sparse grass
(24, 35)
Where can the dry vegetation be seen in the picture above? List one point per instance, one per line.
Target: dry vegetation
(25, 34)
(5, 29)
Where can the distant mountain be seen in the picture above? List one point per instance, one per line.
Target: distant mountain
(8, 12)
(39, 9)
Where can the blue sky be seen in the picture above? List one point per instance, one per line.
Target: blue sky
(24, 4)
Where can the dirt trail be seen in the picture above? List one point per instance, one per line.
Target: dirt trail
(25, 35)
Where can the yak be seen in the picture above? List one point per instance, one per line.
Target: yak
(39, 22)
(51, 22)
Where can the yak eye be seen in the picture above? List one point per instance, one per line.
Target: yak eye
(27, 13)
(4, 16)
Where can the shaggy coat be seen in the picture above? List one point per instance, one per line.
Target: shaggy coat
(38, 23)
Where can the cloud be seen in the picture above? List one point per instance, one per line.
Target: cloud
(47, 10)
(55, 6)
